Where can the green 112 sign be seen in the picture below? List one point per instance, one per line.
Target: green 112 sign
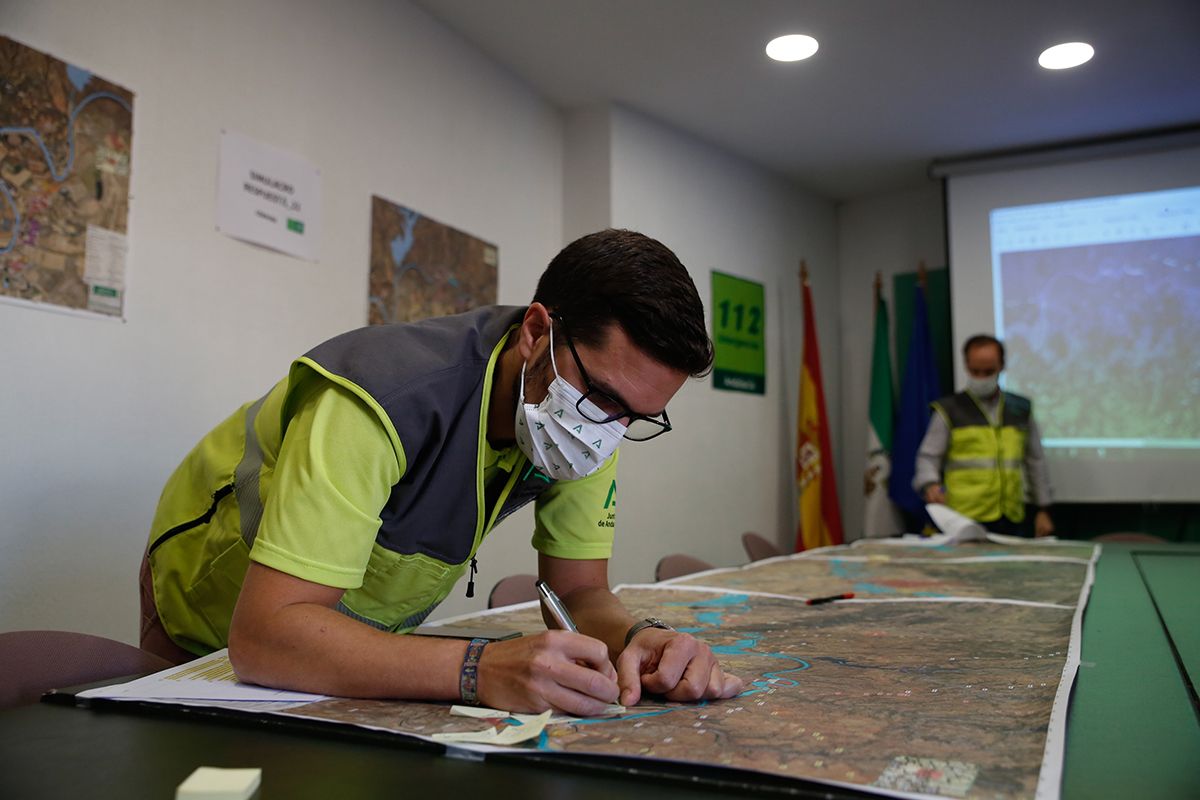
(739, 334)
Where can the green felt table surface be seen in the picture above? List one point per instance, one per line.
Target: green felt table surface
(1174, 583)
(1133, 730)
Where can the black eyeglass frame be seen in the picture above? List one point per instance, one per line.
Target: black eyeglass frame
(625, 412)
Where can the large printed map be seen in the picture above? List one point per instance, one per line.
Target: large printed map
(947, 675)
(65, 139)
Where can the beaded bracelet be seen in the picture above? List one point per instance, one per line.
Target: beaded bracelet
(468, 679)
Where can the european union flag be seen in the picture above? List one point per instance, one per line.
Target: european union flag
(919, 387)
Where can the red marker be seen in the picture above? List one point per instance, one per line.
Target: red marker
(816, 601)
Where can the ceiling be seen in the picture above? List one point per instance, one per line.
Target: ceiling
(895, 84)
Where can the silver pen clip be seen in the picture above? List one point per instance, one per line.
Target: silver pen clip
(556, 607)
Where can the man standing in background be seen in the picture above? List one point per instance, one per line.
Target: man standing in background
(981, 446)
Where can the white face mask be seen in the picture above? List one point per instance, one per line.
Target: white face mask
(983, 387)
(556, 438)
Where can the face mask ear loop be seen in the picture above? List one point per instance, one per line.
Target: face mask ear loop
(553, 363)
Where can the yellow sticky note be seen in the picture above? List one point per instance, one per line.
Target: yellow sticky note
(215, 783)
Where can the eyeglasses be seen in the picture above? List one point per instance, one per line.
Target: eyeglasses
(600, 407)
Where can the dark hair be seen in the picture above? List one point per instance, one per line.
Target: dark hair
(637, 282)
(980, 339)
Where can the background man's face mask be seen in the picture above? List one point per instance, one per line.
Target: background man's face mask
(983, 387)
(556, 438)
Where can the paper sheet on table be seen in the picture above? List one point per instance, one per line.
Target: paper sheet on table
(511, 734)
(210, 677)
(482, 712)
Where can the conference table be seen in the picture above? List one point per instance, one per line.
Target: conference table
(1133, 727)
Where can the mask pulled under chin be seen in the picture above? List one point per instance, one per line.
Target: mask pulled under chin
(557, 439)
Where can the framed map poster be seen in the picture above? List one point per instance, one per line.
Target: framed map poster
(422, 268)
(739, 334)
(65, 150)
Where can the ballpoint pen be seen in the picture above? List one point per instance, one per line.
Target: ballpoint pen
(556, 607)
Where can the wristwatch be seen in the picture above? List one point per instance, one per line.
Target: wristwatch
(648, 622)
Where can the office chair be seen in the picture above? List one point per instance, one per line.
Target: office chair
(677, 564)
(512, 590)
(34, 662)
(759, 547)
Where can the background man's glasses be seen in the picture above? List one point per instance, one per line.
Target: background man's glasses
(599, 407)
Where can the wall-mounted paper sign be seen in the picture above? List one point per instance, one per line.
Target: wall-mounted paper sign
(739, 334)
(268, 197)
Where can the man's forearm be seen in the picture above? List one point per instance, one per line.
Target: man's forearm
(928, 468)
(310, 648)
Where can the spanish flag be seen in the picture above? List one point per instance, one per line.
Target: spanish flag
(820, 516)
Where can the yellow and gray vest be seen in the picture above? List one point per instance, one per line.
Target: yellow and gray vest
(984, 465)
(427, 381)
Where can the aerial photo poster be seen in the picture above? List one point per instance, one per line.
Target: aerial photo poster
(65, 146)
(421, 268)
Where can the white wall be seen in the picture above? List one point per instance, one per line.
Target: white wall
(383, 100)
(890, 234)
(727, 467)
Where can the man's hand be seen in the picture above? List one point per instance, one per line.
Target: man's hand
(566, 671)
(934, 493)
(1042, 524)
(675, 665)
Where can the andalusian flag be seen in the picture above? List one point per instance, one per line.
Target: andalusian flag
(880, 517)
(820, 516)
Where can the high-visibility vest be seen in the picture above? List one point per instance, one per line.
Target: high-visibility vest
(427, 380)
(984, 465)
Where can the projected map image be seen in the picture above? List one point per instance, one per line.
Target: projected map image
(1103, 338)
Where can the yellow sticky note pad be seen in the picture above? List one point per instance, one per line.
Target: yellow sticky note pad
(215, 783)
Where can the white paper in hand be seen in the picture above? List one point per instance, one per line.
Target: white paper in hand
(955, 527)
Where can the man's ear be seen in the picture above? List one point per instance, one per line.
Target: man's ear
(534, 327)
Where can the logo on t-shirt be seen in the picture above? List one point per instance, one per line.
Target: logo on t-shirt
(610, 504)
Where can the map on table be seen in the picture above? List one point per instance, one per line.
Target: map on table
(421, 268)
(65, 145)
(946, 676)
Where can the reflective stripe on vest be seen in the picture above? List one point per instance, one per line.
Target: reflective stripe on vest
(245, 478)
(250, 509)
(982, 463)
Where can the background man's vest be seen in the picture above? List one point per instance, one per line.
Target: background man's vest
(984, 463)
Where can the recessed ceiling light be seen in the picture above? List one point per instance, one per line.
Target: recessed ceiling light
(1066, 55)
(795, 47)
